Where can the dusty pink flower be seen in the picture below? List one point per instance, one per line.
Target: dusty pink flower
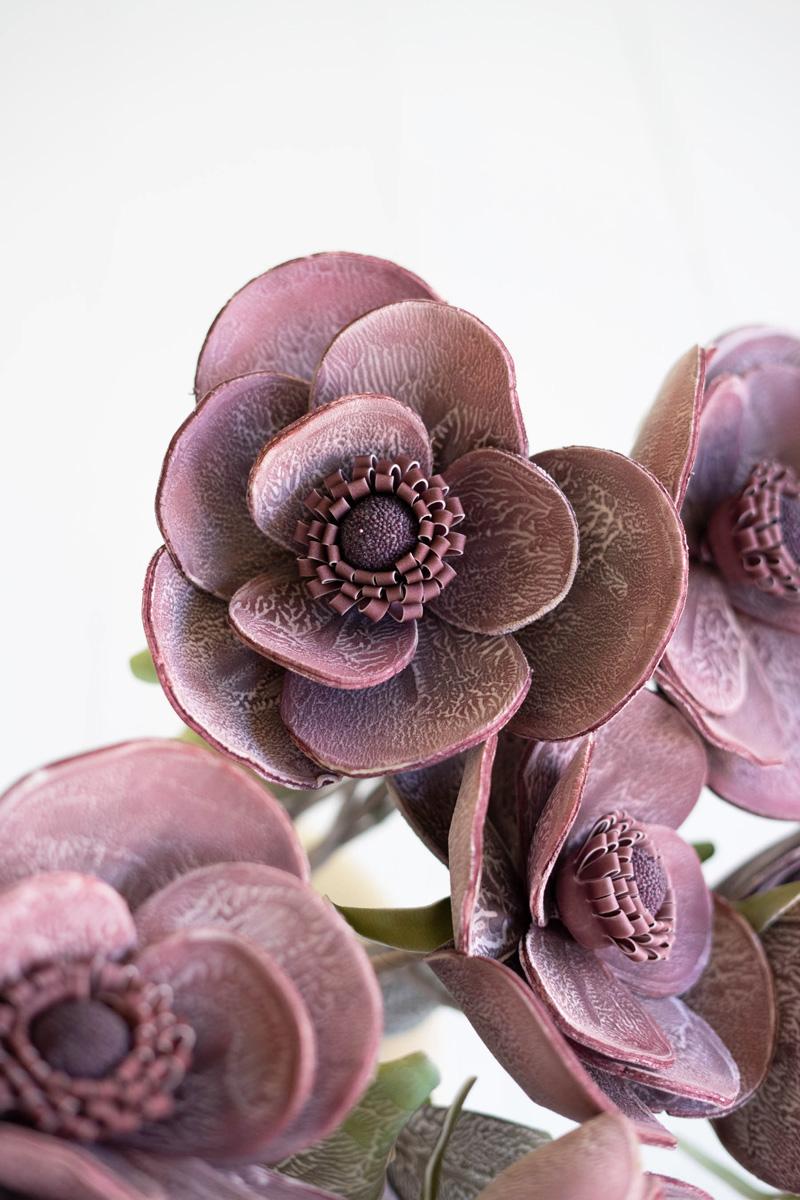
(724, 438)
(583, 923)
(175, 999)
(361, 561)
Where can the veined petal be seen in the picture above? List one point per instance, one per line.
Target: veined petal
(667, 440)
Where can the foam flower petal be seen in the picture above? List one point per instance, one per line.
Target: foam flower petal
(557, 817)
(667, 1188)
(667, 440)
(521, 551)
(193, 1179)
(458, 690)
(427, 797)
(751, 346)
(76, 815)
(284, 319)
(48, 1168)
(442, 362)
(708, 651)
(220, 688)
(599, 646)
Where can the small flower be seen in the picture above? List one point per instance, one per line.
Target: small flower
(174, 997)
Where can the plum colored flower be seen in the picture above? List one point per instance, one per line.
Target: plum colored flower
(362, 565)
(583, 925)
(175, 999)
(724, 438)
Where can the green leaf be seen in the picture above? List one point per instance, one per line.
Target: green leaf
(704, 850)
(419, 929)
(433, 1171)
(353, 1160)
(763, 908)
(141, 665)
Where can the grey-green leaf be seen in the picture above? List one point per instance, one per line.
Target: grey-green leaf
(420, 929)
(433, 1171)
(704, 850)
(142, 667)
(763, 908)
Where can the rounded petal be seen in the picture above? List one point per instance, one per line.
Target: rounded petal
(442, 362)
(603, 641)
(276, 616)
(708, 651)
(310, 942)
(48, 1168)
(716, 462)
(254, 1057)
(750, 346)
(284, 319)
(675, 1189)
(222, 690)
(555, 823)
(667, 440)
(322, 442)
(192, 807)
(521, 551)
(193, 1179)
(201, 503)
(427, 797)
(60, 916)
(458, 690)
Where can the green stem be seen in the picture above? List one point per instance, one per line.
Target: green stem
(433, 1171)
(732, 1178)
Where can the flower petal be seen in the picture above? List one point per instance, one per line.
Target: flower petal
(427, 797)
(254, 1057)
(202, 495)
(667, 440)
(521, 551)
(76, 815)
(554, 825)
(310, 942)
(458, 690)
(442, 362)
(276, 616)
(284, 319)
(599, 646)
(716, 463)
(587, 1001)
(60, 916)
(708, 651)
(222, 690)
(48, 1168)
(193, 1179)
(322, 442)
(742, 350)
(675, 1189)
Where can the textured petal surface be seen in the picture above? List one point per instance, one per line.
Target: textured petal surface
(459, 690)
(741, 350)
(254, 1057)
(599, 646)
(557, 818)
(276, 616)
(442, 362)
(427, 798)
(311, 943)
(708, 651)
(60, 916)
(717, 455)
(675, 1189)
(222, 690)
(191, 808)
(323, 441)
(522, 544)
(47, 1168)
(193, 1179)
(667, 440)
(284, 319)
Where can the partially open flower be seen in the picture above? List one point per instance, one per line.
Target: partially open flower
(723, 436)
(583, 925)
(361, 560)
(175, 999)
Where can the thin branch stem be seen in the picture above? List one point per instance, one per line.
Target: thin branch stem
(355, 816)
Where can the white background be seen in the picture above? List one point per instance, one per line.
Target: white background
(602, 182)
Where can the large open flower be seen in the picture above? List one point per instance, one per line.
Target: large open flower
(724, 438)
(175, 999)
(583, 924)
(361, 561)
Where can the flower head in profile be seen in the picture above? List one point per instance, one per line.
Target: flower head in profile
(362, 565)
(724, 438)
(175, 1000)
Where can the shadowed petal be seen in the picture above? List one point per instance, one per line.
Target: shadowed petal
(60, 916)
(320, 443)
(442, 362)
(48, 1168)
(254, 1058)
(522, 544)
(202, 495)
(427, 798)
(284, 319)
(276, 616)
(742, 350)
(667, 439)
(76, 815)
(222, 690)
(599, 646)
(675, 1189)
(458, 690)
(708, 651)
(193, 1179)
(311, 943)
(554, 825)
(716, 462)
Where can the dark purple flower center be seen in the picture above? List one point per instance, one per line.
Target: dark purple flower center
(82, 1038)
(377, 532)
(651, 879)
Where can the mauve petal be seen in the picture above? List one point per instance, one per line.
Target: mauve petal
(676, 1189)
(553, 827)
(201, 503)
(320, 443)
(427, 797)
(276, 616)
(76, 815)
(284, 319)
(588, 1003)
(599, 646)
(255, 1055)
(520, 1032)
(634, 1101)
(521, 551)
(504, 799)
(601, 1156)
(738, 351)
(708, 651)
(220, 688)
(60, 916)
(667, 440)
(779, 863)
(193, 1179)
(311, 943)
(442, 362)
(48, 1168)
(459, 689)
